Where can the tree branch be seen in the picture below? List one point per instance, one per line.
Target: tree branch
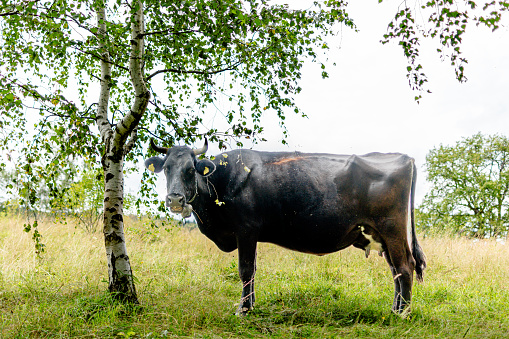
(128, 125)
(168, 31)
(181, 71)
(103, 59)
(104, 96)
(9, 13)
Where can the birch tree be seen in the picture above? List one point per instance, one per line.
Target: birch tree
(445, 22)
(99, 77)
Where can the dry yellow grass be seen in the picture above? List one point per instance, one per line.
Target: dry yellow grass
(462, 258)
(69, 251)
(188, 288)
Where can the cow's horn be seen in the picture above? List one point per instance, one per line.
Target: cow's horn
(203, 149)
(156, 148)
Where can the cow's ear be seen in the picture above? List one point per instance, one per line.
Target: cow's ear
(154, 164)
(205, 167)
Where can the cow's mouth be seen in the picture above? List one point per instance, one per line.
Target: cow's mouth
(185, 210)
(177, 204)
(176, 209)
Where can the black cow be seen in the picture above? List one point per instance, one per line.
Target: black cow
(308, 202)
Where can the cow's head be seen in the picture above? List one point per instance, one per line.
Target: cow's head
(181, 168)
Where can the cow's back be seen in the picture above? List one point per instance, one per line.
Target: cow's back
(312, 202)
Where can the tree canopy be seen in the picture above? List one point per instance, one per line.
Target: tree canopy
(104, 76)
(470, 187)
(194, 54)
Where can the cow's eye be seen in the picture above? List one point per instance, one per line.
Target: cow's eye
(190, 171)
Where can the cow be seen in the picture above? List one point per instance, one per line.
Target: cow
(308, 202)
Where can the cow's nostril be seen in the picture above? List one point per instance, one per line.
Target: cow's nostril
(175, 198)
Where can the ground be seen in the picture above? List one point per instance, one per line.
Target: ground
(188, 289)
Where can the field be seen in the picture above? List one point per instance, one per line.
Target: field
(187, 289)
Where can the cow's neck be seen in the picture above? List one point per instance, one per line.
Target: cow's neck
(207, 196)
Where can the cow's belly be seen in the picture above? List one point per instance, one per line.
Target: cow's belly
(311, 236)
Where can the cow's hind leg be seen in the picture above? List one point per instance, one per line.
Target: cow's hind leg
(402, 265)
(247, 270)
(397, 288)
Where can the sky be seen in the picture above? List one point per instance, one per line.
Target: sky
(366, 104)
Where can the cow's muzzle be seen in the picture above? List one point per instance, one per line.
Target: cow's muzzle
(177, 204)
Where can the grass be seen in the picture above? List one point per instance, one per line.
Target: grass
(187, 289)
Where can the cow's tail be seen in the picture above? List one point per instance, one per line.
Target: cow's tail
(418, 254)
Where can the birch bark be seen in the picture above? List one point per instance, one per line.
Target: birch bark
(121, 283)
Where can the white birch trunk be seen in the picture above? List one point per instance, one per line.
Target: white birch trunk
(121, 283)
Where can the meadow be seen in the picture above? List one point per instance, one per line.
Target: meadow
(188, 289)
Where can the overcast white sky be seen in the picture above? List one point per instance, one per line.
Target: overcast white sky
(366, 105)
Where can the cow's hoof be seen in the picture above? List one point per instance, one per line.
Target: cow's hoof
(403, 313)
(242, 311)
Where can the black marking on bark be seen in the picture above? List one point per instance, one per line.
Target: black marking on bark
(144, 95)
(121, 285)
(115, 158)
(113, 276)
(113, 238)
(111, 209)
(118, 217)
(106, 199)
(109, 176)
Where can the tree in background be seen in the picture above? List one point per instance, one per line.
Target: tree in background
(81, 196)
(51, 198)
(470, 187)
(97, 78)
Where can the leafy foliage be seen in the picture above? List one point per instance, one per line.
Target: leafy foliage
(470, 187)
(447, 21)
(86, 195)
(185, 55)
(196, 54)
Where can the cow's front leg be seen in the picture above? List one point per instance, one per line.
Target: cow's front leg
(247, 269)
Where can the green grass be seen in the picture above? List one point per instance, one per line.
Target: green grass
(188, 289)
